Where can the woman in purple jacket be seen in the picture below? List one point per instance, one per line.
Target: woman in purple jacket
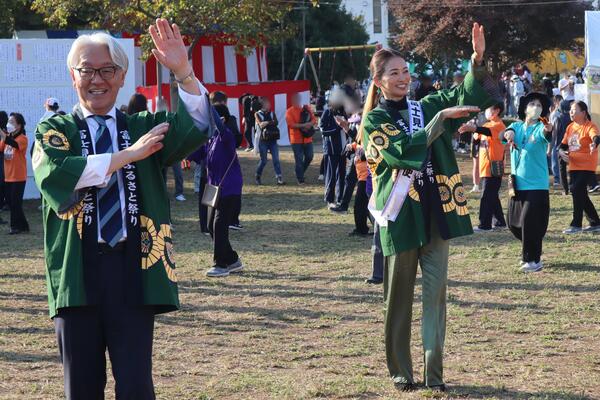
(224, 170)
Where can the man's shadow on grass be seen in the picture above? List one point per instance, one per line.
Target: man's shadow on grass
(485, 392)
(523, 286)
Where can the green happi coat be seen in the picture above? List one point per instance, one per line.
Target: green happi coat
(394, 150)
(58, 165)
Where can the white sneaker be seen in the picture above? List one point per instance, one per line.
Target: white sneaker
(532, 267)
(572, 229)
(236, 266)
(331, 205)
(321, 178)
(180, 197)
(475, 189)
(591, 228)
(217, 272)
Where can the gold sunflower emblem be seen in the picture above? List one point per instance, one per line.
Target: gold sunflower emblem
(56, 140)
(167, 254)
(152, 245)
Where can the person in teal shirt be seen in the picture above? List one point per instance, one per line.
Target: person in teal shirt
(529, 205)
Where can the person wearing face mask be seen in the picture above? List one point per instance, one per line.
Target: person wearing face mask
(579, 148)
(14, 146)
(418, 198)
(491, 167)
(529, 204)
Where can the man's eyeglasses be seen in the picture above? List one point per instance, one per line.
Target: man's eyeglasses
(106, 73)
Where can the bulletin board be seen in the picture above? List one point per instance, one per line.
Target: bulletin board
(31, 70)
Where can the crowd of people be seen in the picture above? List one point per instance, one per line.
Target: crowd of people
(102, 172)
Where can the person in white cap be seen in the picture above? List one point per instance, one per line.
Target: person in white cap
(51, 105)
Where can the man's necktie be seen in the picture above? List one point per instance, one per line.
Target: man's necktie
(109, 203)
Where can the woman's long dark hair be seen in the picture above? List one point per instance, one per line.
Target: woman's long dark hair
(137, 103)
(3, 120)
(583, 107)
(20, 120)
(377, 68)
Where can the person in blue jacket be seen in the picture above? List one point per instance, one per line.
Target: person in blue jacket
(334, 144)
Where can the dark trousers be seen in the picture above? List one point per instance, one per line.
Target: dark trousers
(490, 206)
(202, 209)
(335, 170)
(361, 210)
(528, 213)
(377, 253)
(85, 333)
(248, 132)
(3, 200)
(350, 180)
(14, 195)
(581, 199)
(303, 156)
(177, 177)
(235, 219)
(593, 182)
(322, 166)
(564, 176)
(219, 220)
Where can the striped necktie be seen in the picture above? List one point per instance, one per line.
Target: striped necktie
(109, 203)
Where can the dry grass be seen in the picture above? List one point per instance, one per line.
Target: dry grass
(300, 323)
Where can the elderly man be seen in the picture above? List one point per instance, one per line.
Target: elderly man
(108, 246)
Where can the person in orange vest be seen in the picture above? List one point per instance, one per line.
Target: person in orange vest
(491, 167)
(301, 128)
(14, 146)
(579, 148)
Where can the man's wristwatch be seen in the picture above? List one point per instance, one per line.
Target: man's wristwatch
(189, 78)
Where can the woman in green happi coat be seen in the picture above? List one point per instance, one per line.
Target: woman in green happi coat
(418, 198)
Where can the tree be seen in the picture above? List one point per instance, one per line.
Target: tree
(329, 24)
(516, 30)
(251, 22)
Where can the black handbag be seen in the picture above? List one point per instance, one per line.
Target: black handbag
(271, 131)
(212, 193)
(304, 118)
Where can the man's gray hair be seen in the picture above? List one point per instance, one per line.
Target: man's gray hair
(117, 54)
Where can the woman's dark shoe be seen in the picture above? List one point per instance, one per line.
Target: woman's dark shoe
(374, 281)
(437, 388)
(405, 387)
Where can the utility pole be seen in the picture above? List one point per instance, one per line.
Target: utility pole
(161, 104)
(304, 33)
(282, 54)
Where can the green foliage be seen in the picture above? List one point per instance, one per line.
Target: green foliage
(326, 25)
(251, 22)
(515, 33)
(9, 12)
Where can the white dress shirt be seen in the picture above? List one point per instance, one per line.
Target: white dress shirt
(95, 172)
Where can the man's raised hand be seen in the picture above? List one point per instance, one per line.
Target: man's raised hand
(169, 48)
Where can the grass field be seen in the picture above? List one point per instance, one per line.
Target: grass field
(300, 323)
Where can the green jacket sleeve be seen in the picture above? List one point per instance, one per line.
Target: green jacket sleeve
(57, 165)
(470, 93)
(182, 138)
(385, 142)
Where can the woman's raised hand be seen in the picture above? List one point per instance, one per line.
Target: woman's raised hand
(478, 38)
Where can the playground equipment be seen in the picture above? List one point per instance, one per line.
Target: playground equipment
(317, 72)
